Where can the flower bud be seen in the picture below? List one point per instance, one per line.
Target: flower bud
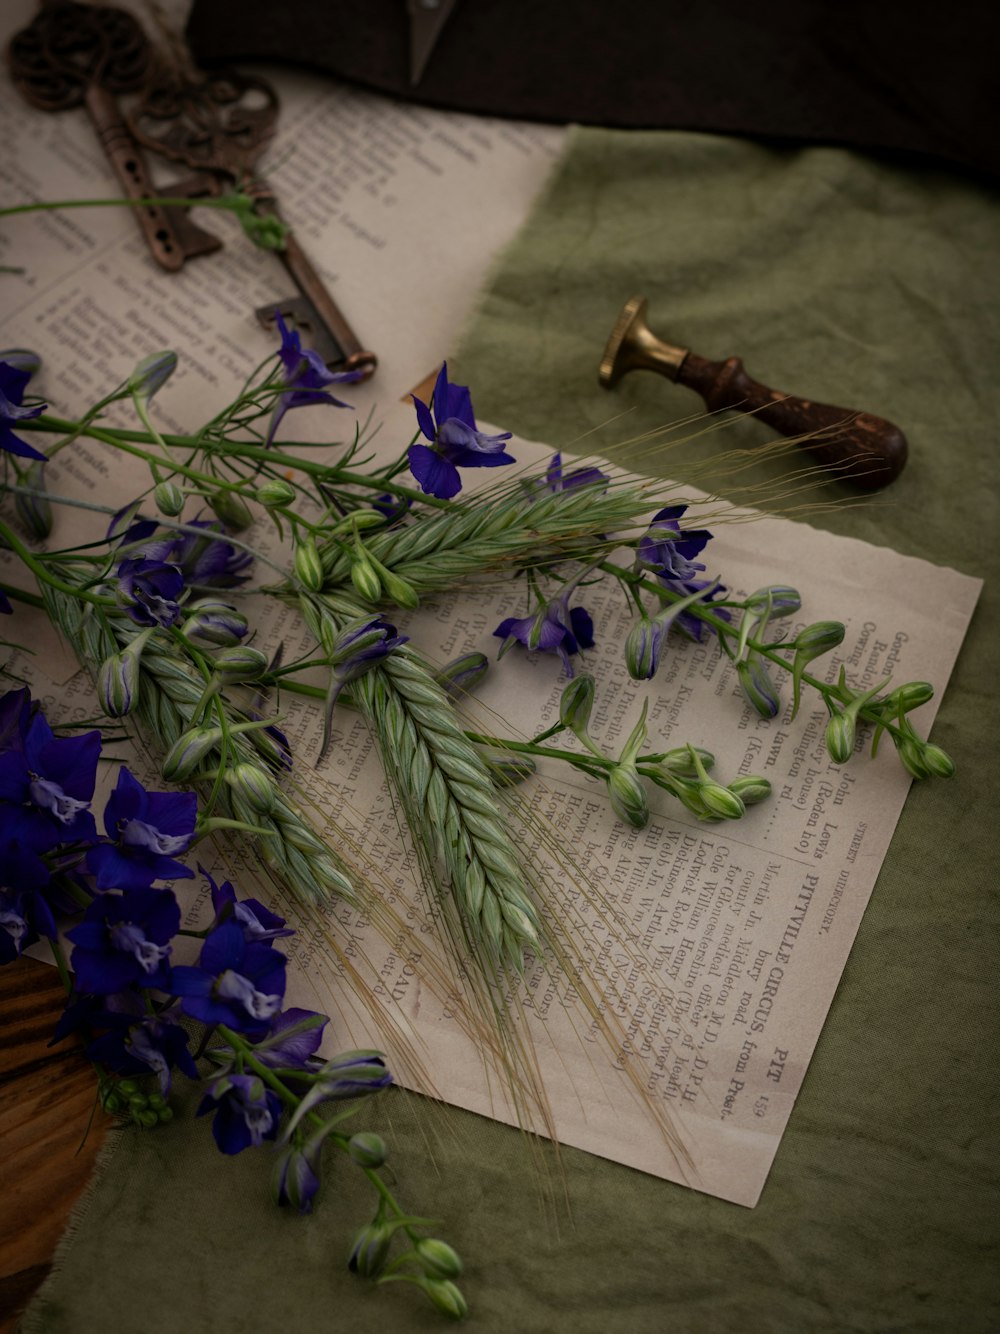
(366, 582)
(358, 520)
(188, 751)
(216, 622)
(906, 697)
(778, 600)
(295, 1179)
(911, 756)
(232, 510)
(152, 373)
(751, 789)
(308, 565)
(819, 638)
(682, 761)
(368, 1150)
(721, 801)
(370, 1250)
(463, 674)
(628, 796)
(758, 686)
(446, 1297)
(22, 359)
(35, 511)
(576, 703)
(242, 663)
(118, 684)
(253, 785)
(438, 1258)
(812, 642)
(840, 737)
(938, 761)
(642, 649)
(398, 590)
(169, 498)
(275, 492)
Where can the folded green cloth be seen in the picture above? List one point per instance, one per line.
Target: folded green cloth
(855, 282)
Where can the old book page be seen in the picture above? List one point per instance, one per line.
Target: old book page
(709, 954)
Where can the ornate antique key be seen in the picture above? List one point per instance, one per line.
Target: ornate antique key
(220, 123)
(75, 55)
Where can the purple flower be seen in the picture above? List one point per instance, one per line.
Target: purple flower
(207, 559)
(125, 938)
(246, 1113)
(17, 931)
(296, 1179)
(306, 377)
(13, 382)
(553, 629)
(256, 921)
(237, 982)
(25, 911)
(358, 647)
(196, 559)
(148, 831)
(151, 590)
(670, 553)
(293, 1039)
(46, 783)
(455, 442)
(556, 480)
(5, 606)
(134, 1042)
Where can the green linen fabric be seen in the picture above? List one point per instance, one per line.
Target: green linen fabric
(854, 281)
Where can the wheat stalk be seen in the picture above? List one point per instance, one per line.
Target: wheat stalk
(482, 535)
(446, 791)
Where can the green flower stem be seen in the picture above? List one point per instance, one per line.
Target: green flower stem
(61, 964)
(127, 440)
(37, 568)
(291, 1099)
(769, 651)
(230, 203)
(19, 595)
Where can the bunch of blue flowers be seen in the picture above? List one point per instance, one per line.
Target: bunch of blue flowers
(136, 1009)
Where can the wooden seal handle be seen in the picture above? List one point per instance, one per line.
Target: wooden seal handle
(865, 450)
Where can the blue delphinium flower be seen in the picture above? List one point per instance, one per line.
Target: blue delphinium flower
(257, 922)
(133, 1041)
(151, 590)
(306, 377)
(17, 930)
(358, 647)
(13, 381)
(554, 628)
(125, 938)
(25, 889)
(556, 479)
(246, 1113)
(46, 782)
(450, 426)
(148, 831)
(237, 982)
(206, 559)
(669, 553)
(293, 1039)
